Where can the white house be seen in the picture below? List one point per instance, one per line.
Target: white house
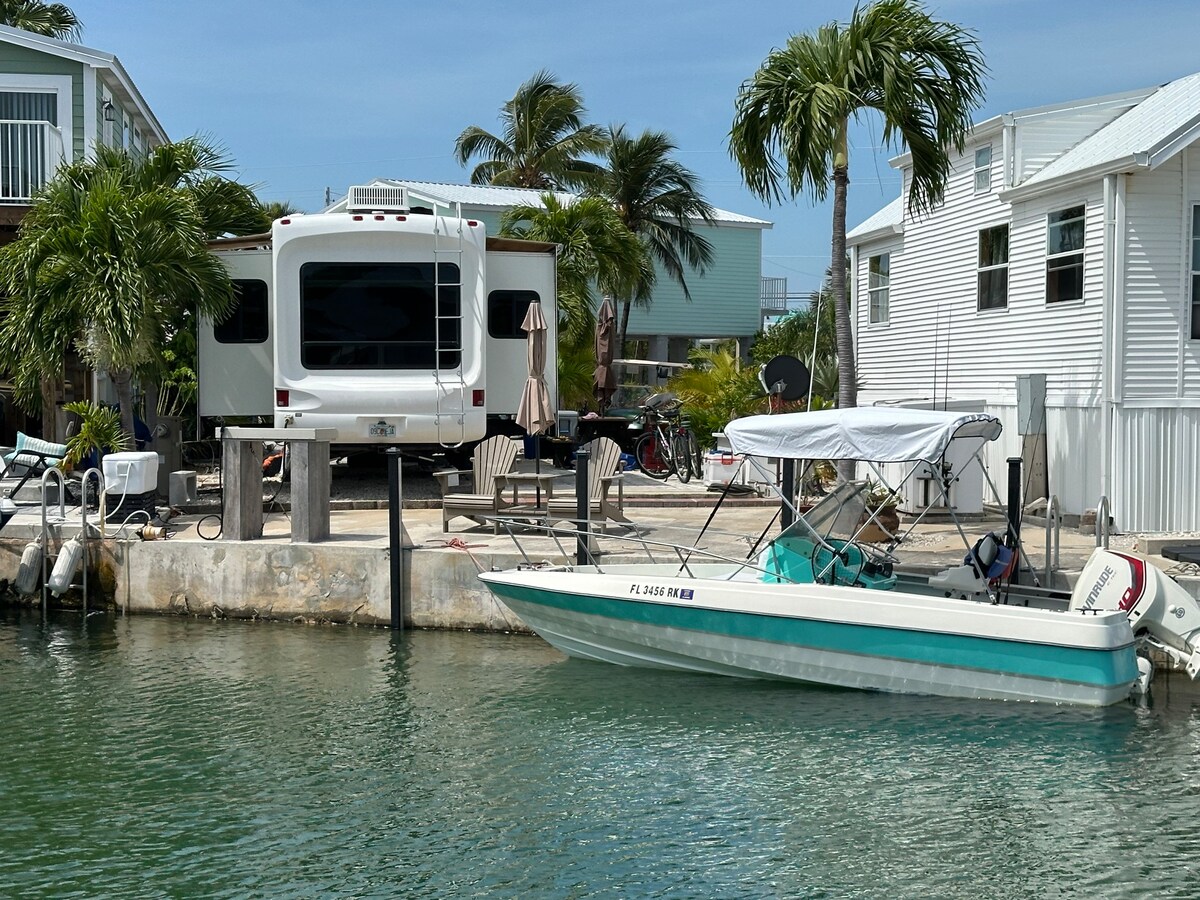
(1067, 245)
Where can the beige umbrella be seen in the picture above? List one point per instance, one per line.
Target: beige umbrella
(535, 413)
(603, 379)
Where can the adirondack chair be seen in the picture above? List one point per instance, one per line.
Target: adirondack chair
(604, 470)
(493, 457)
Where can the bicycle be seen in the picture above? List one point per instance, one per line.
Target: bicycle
(669, 446)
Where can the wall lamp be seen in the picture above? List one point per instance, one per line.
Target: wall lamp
(107, 109)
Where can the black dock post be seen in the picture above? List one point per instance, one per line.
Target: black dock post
(582, 537)
(1012, 539)
(788, 489)
(395, 551)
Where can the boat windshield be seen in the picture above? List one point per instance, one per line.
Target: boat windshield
(837, 516)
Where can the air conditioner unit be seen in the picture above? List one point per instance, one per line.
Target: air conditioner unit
(377, 198)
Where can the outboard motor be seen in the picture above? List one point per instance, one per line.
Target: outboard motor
(1153, 602)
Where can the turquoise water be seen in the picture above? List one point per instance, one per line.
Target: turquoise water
(154, 757)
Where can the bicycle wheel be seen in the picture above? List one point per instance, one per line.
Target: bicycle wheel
(694, 456)
(683, 460)
(649, 459)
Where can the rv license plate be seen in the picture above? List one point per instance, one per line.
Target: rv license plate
(381, 430)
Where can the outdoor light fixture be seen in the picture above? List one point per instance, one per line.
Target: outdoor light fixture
(107, 108)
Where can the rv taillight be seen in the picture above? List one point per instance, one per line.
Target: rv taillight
(357, 218)
(472, 223)
(379, 218)
(285, 221)
(401, 218)
(281, 398)
(477, 398)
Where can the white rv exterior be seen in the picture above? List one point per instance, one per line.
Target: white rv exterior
(390, 327)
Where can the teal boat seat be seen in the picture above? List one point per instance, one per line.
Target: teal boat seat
(795, 560)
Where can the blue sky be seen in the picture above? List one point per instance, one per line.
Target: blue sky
(310, 94)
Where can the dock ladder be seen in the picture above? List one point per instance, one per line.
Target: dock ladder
(450, 396)
(50, 559)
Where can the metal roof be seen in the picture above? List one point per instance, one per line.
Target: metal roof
(1137, 137)
(505, 197)
(890, 218)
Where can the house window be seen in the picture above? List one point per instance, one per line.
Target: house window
(993, 268)
(506, 312)
(879, 269)
(1195, 333)
(247, 324)
(1064, 255)
(983, 169)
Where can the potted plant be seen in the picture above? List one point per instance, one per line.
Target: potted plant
(880, 517)
(99, 432)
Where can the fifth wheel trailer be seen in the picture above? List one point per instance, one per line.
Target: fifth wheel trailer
(389, 326)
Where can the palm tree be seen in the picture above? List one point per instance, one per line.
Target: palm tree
(543, 141)
(51, 19)
(277, 209)
(594, 247)
(658, 199)
(110, 255)
(789, 133)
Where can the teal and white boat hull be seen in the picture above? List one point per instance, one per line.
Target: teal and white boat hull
(713, 621)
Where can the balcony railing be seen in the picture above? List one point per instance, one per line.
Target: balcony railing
(30, 154)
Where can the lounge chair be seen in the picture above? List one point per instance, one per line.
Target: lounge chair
(494, 457)
(604, 471)
(32, 457)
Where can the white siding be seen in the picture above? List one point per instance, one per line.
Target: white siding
(1158, 485)
(1154, 259)
(934, 323)
(1191, 349)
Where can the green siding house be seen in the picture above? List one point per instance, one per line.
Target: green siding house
(58, 100)
(726, 299)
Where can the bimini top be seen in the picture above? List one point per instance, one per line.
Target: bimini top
(876, 433)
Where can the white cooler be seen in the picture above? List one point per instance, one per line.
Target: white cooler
(131, 480)
(720, 467)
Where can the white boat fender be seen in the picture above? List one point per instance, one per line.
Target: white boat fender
(1141, 687)
(30, 570)
(65, 566)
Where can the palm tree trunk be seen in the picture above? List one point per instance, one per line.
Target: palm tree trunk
(49, 388)
(122, 380)
(847, 386)
(619, 350)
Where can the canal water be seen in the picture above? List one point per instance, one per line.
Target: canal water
(149, 757)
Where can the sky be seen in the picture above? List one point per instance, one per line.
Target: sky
(310, 95)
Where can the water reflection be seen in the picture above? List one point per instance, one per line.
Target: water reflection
(324, 761)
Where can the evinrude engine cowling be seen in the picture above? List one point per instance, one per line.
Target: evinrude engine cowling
(1153, 602)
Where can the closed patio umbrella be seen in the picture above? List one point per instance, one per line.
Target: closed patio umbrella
(603, 379)
(535, 413)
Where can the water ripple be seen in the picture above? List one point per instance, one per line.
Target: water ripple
(153, 757)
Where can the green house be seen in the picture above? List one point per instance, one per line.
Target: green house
(726, 299)
(58, 100)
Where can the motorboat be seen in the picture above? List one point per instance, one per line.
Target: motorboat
(818, 604)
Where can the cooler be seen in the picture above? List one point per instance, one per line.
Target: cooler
(720, 467)
(131, 481)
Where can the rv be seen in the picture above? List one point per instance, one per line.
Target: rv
(390, 325)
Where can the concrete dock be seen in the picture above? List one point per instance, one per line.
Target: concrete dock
(346, 578)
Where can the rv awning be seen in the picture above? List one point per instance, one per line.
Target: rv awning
(879, 434)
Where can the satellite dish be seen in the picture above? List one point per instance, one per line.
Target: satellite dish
(785, 377)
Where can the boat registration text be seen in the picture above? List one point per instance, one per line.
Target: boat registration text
(661, 590)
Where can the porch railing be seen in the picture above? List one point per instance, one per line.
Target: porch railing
(30, 154)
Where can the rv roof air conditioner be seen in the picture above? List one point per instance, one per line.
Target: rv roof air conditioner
(377, 198)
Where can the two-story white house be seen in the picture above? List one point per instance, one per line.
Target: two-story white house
(1067, 246)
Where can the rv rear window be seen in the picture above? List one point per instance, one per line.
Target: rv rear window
(379, 316)
(248, 322)
(506, 312)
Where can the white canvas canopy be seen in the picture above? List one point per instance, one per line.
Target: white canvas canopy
(875, 433)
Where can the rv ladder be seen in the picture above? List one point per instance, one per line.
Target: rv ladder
(449, 418)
